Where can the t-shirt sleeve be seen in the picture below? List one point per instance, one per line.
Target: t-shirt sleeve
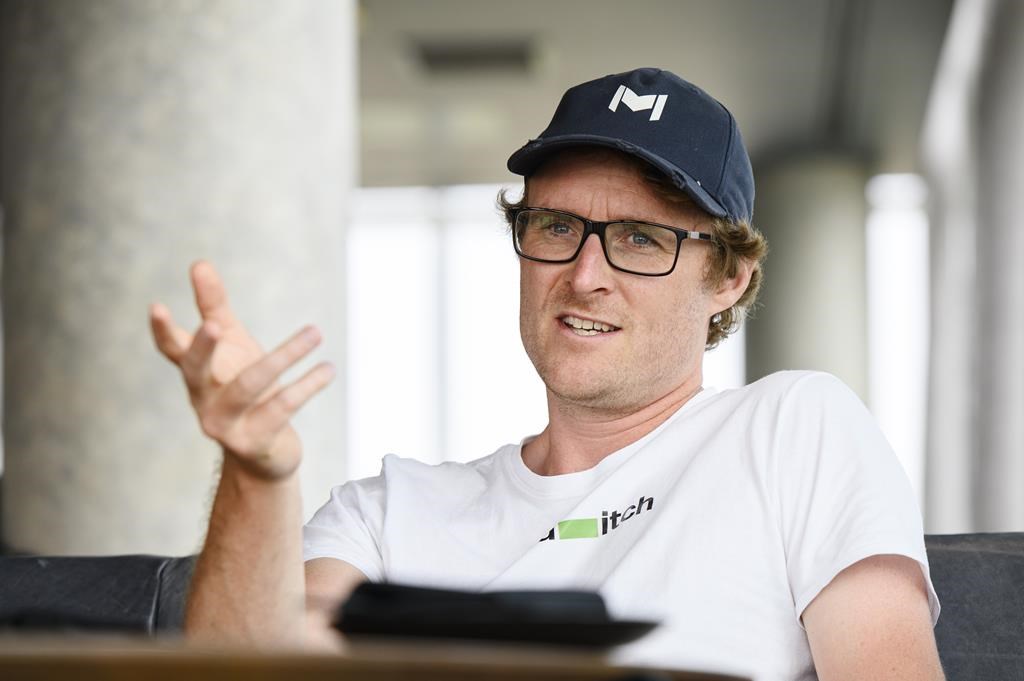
(843, 495)
(349, 526)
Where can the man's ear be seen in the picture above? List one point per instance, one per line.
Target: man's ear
(732, 289)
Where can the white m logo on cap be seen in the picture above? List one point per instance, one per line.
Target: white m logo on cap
(637, 102)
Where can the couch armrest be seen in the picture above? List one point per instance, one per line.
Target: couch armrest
(113, 593)
(175, 577)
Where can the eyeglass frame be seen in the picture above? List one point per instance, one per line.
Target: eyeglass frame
(597, 227)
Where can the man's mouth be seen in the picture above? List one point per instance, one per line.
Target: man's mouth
(587, 327)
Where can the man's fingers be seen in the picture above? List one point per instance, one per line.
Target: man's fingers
(274, 414)
(246, 389)
(211, 296)
(171, 340)
(196, 362)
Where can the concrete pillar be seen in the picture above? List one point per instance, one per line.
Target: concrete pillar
(998, 461)
(950, 159)
(138, 137)
(813, 312)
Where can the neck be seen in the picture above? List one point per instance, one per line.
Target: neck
(578, 438)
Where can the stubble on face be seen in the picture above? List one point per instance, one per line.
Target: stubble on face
(653, 362)
(663, 320)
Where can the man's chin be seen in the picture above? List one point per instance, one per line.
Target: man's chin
(583, 379)
(597, 392)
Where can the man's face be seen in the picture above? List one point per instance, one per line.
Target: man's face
(660, 323)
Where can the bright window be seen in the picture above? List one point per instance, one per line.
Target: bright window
(897, 274)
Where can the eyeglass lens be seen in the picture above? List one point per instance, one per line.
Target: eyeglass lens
(634, 246)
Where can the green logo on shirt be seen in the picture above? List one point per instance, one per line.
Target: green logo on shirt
(590, 528)
(582, 528)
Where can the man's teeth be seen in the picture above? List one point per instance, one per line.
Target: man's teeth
(586, 327)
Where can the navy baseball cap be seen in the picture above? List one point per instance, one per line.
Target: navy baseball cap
(659, 117)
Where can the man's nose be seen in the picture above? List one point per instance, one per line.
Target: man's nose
(591, 270)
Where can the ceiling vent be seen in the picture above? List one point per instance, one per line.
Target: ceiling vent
(476, 57)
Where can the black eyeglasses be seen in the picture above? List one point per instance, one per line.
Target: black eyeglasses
(555, 236)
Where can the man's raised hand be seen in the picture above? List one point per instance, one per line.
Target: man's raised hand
(233, 382)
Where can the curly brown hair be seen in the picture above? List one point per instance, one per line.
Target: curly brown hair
(734, 242)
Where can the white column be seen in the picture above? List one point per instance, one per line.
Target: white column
(138, 137)
(999, 459)
(951, 161)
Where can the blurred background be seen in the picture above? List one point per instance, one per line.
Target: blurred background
(338, 161)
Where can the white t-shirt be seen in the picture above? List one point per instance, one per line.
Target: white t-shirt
(724, 523)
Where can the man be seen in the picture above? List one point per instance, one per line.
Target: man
(770, 528)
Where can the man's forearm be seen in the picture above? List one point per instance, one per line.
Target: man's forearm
(248, 584)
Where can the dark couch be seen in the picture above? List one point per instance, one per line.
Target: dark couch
(980, 582)
(979, 579)
(143, 594)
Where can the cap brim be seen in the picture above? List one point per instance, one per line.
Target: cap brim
(531, 155)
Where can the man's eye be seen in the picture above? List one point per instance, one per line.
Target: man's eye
(558, 229)
(645, 238)
(640, 240)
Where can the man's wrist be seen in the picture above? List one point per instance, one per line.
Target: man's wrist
(254, 474)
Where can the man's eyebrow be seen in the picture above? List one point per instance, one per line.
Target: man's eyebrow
(626, 217)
